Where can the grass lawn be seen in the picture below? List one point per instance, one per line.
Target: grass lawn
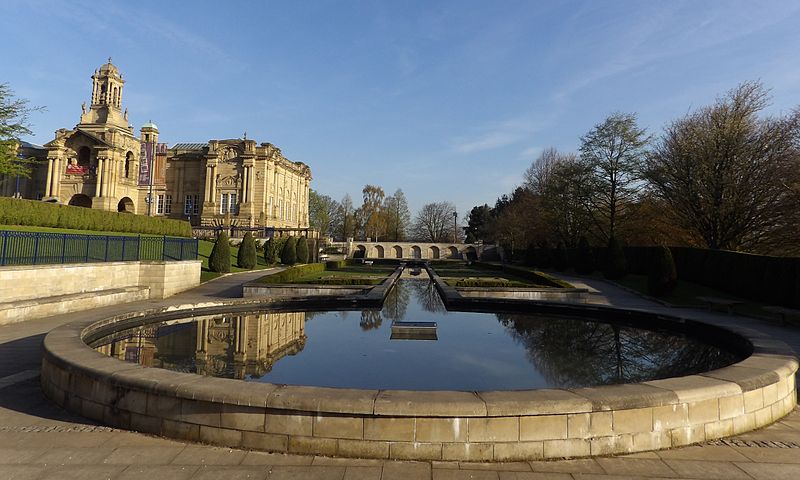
(358, 274)
(686, 293)
(204, 251)
(456, 274)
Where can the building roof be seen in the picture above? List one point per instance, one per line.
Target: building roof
(150, 124)
(24, 144)
(190, 146)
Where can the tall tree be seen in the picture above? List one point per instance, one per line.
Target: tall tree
(434, 223)
(14, 114)
(345, 219)
(564, 197)
(537, 176)
(322, 211)
(613, 151)
(727, 173)
(478, 224)
(397, 216)
(372, 211)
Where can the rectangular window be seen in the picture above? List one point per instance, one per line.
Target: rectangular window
(196, 204)
(233, 207)
(160, 204)
(188, 205)
(168, 204)
(223, 203)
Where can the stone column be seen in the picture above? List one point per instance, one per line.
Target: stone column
(207, 190)
(58, 172)
(47, 184)
(245, 183)
(213, 183)
(98, 189)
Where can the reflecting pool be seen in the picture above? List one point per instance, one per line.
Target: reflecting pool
(462, 351)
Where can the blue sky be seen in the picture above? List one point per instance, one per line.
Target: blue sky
(448, 100)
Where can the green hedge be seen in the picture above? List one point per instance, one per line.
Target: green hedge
(343, 281)
(293, 273)
(538, 278)
(480, 282)
(14, 211)
(762, 278)
(338, 264)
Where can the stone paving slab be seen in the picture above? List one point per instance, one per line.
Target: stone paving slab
(40, 441)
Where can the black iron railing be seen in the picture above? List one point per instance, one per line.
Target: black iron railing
(35, 248)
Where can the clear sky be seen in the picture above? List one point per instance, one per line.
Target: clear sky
(448, 100)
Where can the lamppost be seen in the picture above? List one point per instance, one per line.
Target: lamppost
(455, 227)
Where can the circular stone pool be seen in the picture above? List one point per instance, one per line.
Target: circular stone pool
(414, 343)
(529, 381)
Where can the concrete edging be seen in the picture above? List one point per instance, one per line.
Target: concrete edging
(418, 425)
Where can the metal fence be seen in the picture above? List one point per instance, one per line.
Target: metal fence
(34, 248)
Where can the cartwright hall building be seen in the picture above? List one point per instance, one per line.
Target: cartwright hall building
(102, 164)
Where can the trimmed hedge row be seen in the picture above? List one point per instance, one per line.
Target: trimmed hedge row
(15, 211)
(538, 278)
(773, 280)
(343, 281)
(293, 273)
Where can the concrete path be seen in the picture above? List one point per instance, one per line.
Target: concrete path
(41, 441)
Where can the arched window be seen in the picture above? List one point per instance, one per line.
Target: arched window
(128, 164)
(83, 156)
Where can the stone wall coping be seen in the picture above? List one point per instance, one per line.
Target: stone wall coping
(65, 346)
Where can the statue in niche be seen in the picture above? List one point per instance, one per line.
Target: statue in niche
(227, 155)
(126, 114)
(83, 107)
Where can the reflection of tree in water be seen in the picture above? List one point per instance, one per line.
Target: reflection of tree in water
(370, 319)
(396, 302)
(427, 295)
(575, 353)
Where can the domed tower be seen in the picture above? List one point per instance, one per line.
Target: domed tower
(106, 106)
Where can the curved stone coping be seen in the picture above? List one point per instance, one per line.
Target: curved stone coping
(421, 425)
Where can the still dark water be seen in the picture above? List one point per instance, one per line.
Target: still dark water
(471, 351)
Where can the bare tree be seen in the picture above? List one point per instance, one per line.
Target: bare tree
(322, 211)
(397, 216)
(537, 176)
(613, 151)
(564, 199)
(727, 173)
(434, 222)
(344, 222)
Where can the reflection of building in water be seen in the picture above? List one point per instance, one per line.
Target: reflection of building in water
(229, 346)
(247, 345)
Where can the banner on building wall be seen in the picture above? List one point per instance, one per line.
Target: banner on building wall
(153, 161)
(160, 165)
(146, 162)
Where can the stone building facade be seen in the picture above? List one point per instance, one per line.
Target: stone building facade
(98, 164)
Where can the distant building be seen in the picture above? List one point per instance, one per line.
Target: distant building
(101, 164)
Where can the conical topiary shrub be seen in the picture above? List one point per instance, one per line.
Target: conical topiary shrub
(289, 253)
(614, 264)
(246, 257)
(530, 255)
(302, 250)
(220, 258)
(662, 276)
(584, 258)
(560, 262)
(544, 255)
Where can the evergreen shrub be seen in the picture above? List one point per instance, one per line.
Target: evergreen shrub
(246, 257)
(584, 258)
(662, 277)
(289, 253)
(220, 258)
(302, 250)
(614, 263)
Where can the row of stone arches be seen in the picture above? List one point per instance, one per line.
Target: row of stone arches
(125, 205)
(432, 252)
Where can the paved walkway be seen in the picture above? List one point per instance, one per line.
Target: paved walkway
(41, 441)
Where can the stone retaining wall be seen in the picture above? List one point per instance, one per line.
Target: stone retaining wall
(418, 425)
(34, 291)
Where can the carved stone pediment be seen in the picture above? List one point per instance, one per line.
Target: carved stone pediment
(229, 181)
